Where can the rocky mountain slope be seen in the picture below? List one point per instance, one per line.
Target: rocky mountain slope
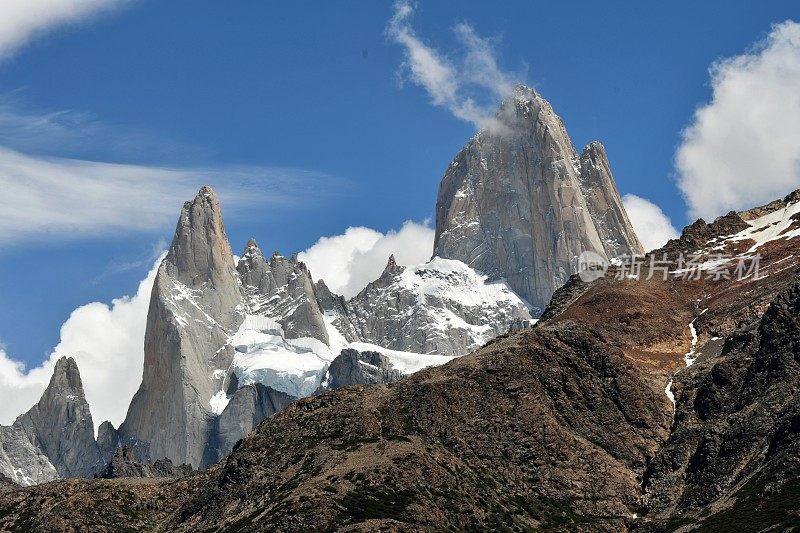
(55, 438)
(725, 349)
(663, 403)
(519, 203)
(504, 436)
(352, 367)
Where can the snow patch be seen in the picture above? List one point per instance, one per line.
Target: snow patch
(219, 402)
(770, 227)
(689, 358)
(264, 355)
(405, 362)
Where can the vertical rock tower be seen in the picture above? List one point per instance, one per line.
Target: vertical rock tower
(196, 305)
(518, 202)
(60, 424)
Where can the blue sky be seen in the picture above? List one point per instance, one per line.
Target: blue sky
(306, 107)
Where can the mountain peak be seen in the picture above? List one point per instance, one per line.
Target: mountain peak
(208, 193)
(251, 250)
(518, 202)
(61, 423)
(522, 91)
(200, 250)
(524, 108)
(195, 305)
(67, 376)
(392, 267)
(594, 146)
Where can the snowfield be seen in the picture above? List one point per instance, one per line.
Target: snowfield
(442, 289)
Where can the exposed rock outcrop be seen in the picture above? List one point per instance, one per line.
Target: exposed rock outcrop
(249, 405)
(440, 307)
(55, 438)
(604, 203)
(282, 289)
(6, 483)
(352, 367)
(336, 309)
(519, 203)
(107, 440)
(125, 465)
(21, 461)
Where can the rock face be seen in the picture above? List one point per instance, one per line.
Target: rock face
(21, 461)
(442, 307)
(55, 438)
(282, 288)
(604, 203)
(196, 305)
(352, 367)
(335, 309)
(519, 203)
(61, 425)
(124, 465)
(249, 405)
(107, 440)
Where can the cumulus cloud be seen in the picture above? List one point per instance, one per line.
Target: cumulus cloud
(48, 196)
(348, 262)
(22, 20)
(106, 341)
(743, 148)
(458, 86)
(650, 223)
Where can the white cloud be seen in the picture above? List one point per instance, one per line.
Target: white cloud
(454, 86)
(650, 223)
(348, 262)
(107, 342)
(69, 198)
(22, 20)
(743, 148)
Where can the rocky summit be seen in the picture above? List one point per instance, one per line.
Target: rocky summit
(55, 438)
(519, 203)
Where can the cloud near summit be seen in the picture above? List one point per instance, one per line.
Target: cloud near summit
(107, 343)
(470, 87)
(348, 262)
